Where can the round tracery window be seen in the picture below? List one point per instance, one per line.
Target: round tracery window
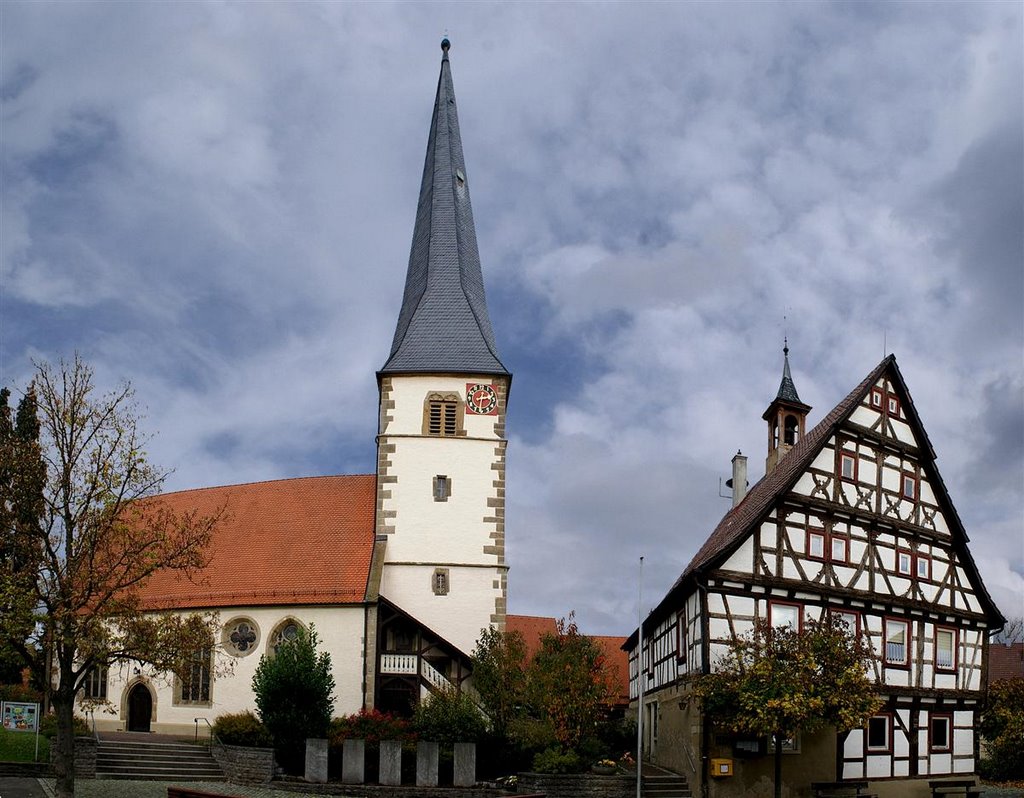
(241, 637)
(285, 633)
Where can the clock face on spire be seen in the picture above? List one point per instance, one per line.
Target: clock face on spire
(481, 399)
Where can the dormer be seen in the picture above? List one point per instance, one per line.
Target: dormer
(786, 417)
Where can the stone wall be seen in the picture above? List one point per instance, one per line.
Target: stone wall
(85, 757)
(245, 765)
(367, 791)
(578, 784)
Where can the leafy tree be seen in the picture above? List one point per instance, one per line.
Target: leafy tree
(1002, 726)
(294, 690)
(570, 683)
(778, 681)
(449, 717)
(83, 530)
(499, 677)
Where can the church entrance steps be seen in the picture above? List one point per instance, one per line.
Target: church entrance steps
(164, 761)
(665, 786)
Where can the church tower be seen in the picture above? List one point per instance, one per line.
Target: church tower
(786, 417)
(440, 528)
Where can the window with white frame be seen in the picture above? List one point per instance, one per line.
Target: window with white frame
(840, 548)
(850, 618)
(897, 638)
(876, 397)
(945, 649)
(940, 733)
(816, 544)
(879, 733)
(848, 466)
(923, 566)
(909, 486)
(894, 405)
(904, 562)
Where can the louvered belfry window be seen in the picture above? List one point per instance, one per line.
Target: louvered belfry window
(442, 416)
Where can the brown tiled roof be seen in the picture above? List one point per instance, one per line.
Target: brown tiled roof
(742, 519)
(1005, 661)
(533, 628)
(290, 541)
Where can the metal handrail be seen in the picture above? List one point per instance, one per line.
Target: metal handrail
(213, 734)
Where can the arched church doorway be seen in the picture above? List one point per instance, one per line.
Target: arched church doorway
(140, 708)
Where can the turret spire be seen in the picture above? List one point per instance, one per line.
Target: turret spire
(444, 325)
(786, 416)
(787, 389)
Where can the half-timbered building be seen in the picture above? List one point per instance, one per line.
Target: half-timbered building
(850, 518)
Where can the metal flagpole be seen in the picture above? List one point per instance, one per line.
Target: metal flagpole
(640, 684)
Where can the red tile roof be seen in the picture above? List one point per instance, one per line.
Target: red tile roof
(290, 541)
(1005, 661)
(533, 628)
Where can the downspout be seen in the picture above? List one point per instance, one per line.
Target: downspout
(705, 668)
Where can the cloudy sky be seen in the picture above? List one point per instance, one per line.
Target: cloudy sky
(215, 201)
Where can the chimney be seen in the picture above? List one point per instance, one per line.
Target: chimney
(738, 483)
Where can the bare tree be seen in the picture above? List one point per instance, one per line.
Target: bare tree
(84, 527)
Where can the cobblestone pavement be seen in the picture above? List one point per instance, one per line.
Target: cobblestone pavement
(116, 788)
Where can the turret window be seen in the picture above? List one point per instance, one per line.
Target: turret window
(792, 430)
(442, 415)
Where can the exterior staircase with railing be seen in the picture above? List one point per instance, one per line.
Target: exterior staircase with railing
(143, 760)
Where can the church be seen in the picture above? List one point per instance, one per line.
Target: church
(399, 570)
(851, 519)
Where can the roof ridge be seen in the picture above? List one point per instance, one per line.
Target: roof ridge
(260, 482)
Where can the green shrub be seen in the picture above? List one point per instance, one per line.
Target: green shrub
(555, 760)
(243, 728)
(1002, 727)
(48, 726)
(449, 717)
(294, 690)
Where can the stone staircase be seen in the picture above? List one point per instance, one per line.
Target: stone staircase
(164, 761)
(665, 786)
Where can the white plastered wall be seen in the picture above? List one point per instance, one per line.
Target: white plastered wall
(339, 631)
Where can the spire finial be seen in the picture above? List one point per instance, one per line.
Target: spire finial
(785, 346)
(445, 44)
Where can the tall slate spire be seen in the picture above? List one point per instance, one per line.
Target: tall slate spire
(443, 325)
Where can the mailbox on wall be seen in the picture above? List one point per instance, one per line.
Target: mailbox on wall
(721, 767)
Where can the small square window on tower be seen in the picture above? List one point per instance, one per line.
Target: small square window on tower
(440, 581)
(442, 488)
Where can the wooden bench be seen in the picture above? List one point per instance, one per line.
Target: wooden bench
(840, 789)
(188, 792)
(955, 787)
